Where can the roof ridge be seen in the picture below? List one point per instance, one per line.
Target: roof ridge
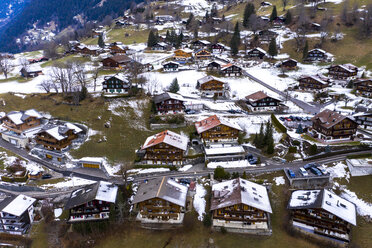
(161, 184)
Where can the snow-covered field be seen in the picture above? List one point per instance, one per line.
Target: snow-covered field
(199, 200)
(69, 182)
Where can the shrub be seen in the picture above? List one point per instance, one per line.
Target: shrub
(277, 123)
(220, 173)
(223, 230)
(296, 142)
(207, 220)
(292, 149)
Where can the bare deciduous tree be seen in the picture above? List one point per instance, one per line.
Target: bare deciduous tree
(5, 66)
(46, 85)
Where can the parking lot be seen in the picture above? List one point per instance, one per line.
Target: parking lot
(294, 121)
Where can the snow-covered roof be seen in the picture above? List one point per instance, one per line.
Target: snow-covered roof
(106, 192)
(214, 121)
(18, 205)
(325, 200)
(205, 42)
(54, 132)
(258, 49)
(120, 76)
(18, 117)
(163, 188)
(240, 191)
(206, 79)
(316, 78)
(224, 150)
(186, 50)
(168, 95)
(259, 95)
(167, 137)
(73, 127)
(347, 67)
(92, 159)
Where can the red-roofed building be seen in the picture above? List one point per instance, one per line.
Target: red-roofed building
(217, 129)
(165, 147)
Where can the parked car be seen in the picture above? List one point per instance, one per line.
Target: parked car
(310, 165)
(190, 111)
(291, 173)
(316, 171)
(46, 176)
(252, 159)
(288, 119)
(304, 172)
(282, 118)
(322, 169)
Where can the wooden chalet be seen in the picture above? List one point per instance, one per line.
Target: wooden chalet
(322, 213)
(318, 55)
(256, 53)
(183, 54)
(16, 214)
(171, 66)
(212, 87)
(217, 48)
(88, 50)
(259, 101)
(116, 62)
(31, 71)
(364, 120)
(160, 46)
(169, 103)
(214, 66)
(239, 205)
(231, 70)
(166, 147)
(330, 125)
(91, 202)
(288, 64)
(160, 200)
(312, 83)
(203, 54)
(363, 87)
(266, 35)
(118, 48)
(200, 44)
(38, 60)
(20, 121)
(217, 129)
(117, 84)
(345, 71)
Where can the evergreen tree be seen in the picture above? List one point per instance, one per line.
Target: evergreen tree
(174, 87)
(244, 176)
(273, 50)
(248, 11)
(151, 41)
(274, 14)
(101, 43)
(167, 37)
(206, 16)
(313, 149)
(235, 40)
(288, 18)
(305, 51)
(189, 20)
(268, 133)
(196, 33)
(237, 33)
(214, 11)
(260, 138)
(270, 146)
(299, 129)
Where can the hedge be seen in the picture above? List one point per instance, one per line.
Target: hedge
(278, 124)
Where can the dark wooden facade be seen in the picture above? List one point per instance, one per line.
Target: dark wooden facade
(365, 120)
(203, 54)
(231, 70)
(157, 208)
(164, 154)
(256, 53)
(312, 83)
(220, 133)
(93, 210)
(289, 64)
(213, 66)
(342, 71)
(317, 55)
(28, 123)
(51, 143)
(241, 212)
(363, 87)
(113, 84)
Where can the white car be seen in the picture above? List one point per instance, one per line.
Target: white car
(304, 172)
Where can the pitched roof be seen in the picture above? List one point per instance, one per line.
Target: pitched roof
(240, 191)
(259, 95)
(18, 117)
(166, 96)
(16, 205)
(258, 49)
(206, 79)
(167, 137)
(316, 78)
(214, 121)
(101, 191)
(120, 76)
(163, 188)
(329, 118)
(59, 131)
(120, 58)
(326, 200)
(224, 67)
(346, 67)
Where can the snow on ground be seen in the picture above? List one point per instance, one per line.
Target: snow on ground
(199, 201)
(58, 212)
(148, 171)
(230, 164)
(338, 170)
(30, 166)
(186, 167)
(363, 208)
(111, 169)
(69, 182)
(197, 7)
(279, 180)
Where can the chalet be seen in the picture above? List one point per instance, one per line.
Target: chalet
(217, 48)
(211, 87)
(229, 70)
(164, 18)
(170, 66)
(16, 214)
(278, 21)
(160, 200)
(117, 61)
(92, 202)
(166, 147)
(88, 50)
(117, 84)
(31, 71)
(267, 35)
(239, 205)
(364, 120)
(256, 53)
(345, 71)
(160, 46)
(321, 212)
(329, 125)
(216, 20)
(364, 87)
(217, 129)
(312, 83)
(214, 66)
(203, 54)
(118, 48)
(200, 44)
(169, 103)
(288, 64)
(38, 60)
(259, 101)
(20, 121)
(183, 54)
(318, 55)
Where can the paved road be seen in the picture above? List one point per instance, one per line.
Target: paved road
(305, 106)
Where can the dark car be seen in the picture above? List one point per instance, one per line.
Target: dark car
(252, 159)
(310, 165)
(190, 111)
(282, 118)
(291, 173)
(184, 181)
(316, 171)
(46, 176)
(298, 118)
